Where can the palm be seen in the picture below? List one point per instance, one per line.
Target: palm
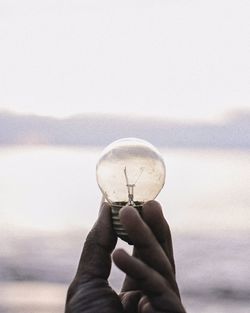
(93, 295)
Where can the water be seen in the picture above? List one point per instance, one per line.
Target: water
(55, 188)
(212, 271)
(49, 200)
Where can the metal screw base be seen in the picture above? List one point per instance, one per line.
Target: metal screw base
(118, 227)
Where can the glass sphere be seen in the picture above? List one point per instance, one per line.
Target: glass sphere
(130, 171)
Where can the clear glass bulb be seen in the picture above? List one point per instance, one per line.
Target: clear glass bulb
(130, 171)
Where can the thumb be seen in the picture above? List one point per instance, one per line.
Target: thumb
(95, 261)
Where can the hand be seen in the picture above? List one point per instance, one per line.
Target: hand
(90, 292)
(150, 286)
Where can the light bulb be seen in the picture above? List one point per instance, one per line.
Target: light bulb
(130, 171)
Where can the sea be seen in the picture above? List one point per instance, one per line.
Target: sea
(49, 200)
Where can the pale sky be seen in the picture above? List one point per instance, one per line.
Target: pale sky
(185, 59)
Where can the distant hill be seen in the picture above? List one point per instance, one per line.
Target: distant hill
(97, 130)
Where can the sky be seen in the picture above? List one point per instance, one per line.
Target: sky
(183, 59)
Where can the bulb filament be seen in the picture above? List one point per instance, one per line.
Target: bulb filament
(131, 186)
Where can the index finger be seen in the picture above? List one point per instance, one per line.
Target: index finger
(152, 214)
(146, 244)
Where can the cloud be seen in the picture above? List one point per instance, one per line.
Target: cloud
(97, 130)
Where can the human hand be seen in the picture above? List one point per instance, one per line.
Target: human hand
(150, 285)
(90, 292)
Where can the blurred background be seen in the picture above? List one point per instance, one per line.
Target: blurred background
(76, 75)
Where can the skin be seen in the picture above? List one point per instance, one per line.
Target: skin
(150, 285)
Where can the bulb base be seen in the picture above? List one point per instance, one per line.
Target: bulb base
(118, 227)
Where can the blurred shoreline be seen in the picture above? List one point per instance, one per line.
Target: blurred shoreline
(101, 129)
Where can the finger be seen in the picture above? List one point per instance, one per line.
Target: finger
(146, 244)
(129, 283)
(130, 300)
(145, 306)
(151, 282)
(153, 216)
(95, 260)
